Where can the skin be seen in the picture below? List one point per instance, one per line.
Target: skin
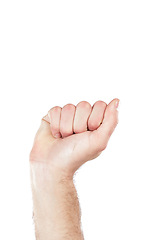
(67, 138)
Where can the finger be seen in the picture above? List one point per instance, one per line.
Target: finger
(54, 115)
(100, 137)
(83, 111)
(66, 122)
(97, 114)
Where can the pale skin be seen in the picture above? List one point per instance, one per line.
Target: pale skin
(66, 139)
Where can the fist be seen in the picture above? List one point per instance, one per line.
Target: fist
(70, 136)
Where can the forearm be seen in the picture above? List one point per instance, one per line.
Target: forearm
(56, 215)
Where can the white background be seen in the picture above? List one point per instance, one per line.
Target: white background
(59, 52)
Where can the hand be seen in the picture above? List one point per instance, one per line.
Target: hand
(70, 136)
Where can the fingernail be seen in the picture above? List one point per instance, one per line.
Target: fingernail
(117, 103)
(57, 135)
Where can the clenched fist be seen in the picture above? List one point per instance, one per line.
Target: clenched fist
(70, 136)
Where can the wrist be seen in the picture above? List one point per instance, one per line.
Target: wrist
(43, 174)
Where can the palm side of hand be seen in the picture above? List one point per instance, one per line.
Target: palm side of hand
(68, 152)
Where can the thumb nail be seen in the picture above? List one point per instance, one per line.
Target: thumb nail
(46, 118)
(117, 103)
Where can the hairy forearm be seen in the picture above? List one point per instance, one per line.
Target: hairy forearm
(56, 215)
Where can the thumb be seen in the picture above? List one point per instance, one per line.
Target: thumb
(44, 128)
(100, 137)
(46, 119)
(42, 137)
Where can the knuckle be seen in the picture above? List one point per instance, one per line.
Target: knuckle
(115, 120)
(110, 131)
(102, 146)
